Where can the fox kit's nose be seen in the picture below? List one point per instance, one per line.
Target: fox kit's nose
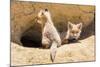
(46, 9)
(75, 35)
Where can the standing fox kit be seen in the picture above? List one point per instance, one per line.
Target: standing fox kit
(50, 36)
(73, 32)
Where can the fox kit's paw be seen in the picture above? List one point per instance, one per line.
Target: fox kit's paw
(46, 46)
(53, 51)
(45, 42)
(65, 41)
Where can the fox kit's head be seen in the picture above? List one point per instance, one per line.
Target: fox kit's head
(74, 31)
(43, 16)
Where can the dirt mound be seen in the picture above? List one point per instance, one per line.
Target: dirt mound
(74, 52)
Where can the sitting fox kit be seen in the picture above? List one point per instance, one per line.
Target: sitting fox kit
(73, 32)
(50, 36)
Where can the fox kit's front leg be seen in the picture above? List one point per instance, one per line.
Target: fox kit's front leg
(45, 41)
(65, 41)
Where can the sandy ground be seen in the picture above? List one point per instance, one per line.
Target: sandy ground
(74, 52)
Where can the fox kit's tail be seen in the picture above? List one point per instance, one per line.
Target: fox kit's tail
(53, 50)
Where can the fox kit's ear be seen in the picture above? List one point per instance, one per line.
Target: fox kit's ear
(46, 9)
(70, 25)
(79, 25)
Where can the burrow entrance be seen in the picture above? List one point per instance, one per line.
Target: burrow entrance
(32, 37)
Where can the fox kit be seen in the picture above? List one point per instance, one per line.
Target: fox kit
(73, 32)
(50, 36)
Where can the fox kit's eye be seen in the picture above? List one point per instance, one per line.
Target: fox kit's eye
(76, 31)
(72, 32)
